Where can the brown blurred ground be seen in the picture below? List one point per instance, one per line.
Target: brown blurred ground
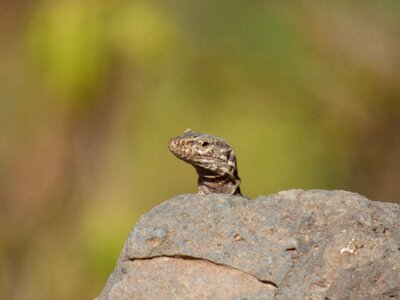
(308, 94)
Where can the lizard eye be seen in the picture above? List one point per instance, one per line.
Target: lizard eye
(204, 143)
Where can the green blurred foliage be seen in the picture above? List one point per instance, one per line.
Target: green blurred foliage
(308, 94)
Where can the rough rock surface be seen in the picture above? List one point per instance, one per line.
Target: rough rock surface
(292, 245)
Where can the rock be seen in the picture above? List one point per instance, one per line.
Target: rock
(292, 245)
(171, 277)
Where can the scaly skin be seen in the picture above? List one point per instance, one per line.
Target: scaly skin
(214, 161)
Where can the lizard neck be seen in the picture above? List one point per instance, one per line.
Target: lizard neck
(220, 184)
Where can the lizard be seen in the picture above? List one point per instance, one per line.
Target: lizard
(212, 157)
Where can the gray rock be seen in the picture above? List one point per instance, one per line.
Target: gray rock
(292, 245)
(169, 277)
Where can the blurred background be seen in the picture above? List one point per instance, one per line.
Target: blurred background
(307, 93)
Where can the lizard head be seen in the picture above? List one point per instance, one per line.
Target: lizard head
(211, 156)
